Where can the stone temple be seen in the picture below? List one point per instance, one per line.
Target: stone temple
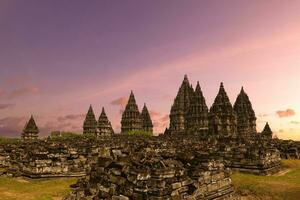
(133, 120)
(196, 120)
(189, 114)
(246, 120)
(146, 120)
(102, 127)
(90, 122)
(31, 130)
(222, 117)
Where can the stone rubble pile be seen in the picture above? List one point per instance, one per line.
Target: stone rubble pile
(152, 175)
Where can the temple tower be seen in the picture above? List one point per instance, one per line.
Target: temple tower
(180, 107)
(246, 120)
(267, 132)
(104, 125)
(90, 122)
(131, 117)
(197, 114)
(30, 131)
(222, 118)
(146, 120)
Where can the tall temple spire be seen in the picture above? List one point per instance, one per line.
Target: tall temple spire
(246, 120)
(222, 118)
(131, 117)
(104, 125)
(180, 107)
(90, 122)
(146, 120)
(197, 114)
(30, 131)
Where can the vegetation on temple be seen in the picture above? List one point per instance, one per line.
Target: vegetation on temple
(139, 133)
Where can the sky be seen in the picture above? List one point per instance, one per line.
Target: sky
(59, 56)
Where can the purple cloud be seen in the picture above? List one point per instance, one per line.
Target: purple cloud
(24, 91)
(12, 126)
(6, 105)
(122, 101)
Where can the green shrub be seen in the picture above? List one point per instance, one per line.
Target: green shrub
(139, 132)
(70, 136)
(7, 140)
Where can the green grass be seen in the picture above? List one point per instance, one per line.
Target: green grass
(278, 187)
(281, 186)
(34, 189)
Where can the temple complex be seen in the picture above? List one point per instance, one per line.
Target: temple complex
(90, 122)
(131, 117)
(146, 120)
(180, 107)
(246, 120)
(31, 130)
(104, 125)
(222, 118)
(197, 113)
(193, 160)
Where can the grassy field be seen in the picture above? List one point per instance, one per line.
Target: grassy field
(284, 185)
(28, 189)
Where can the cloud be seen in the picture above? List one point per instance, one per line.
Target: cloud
(2, 92)
(165, 118)
(71, 117)
(6, 105)
(285, 113)
(154, 113)
(122, 101)
(17, 80)
(12, 126)
(262, 115)
(295, 122)
(24, 91)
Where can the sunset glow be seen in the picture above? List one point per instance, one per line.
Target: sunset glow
(57, 58)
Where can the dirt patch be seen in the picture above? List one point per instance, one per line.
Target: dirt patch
(282, 172)
(22, 180)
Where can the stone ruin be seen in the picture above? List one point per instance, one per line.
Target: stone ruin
(133, 120)
(155, 168)
(102, 127)
(192, 160)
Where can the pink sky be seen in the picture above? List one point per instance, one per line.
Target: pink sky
(55, 62)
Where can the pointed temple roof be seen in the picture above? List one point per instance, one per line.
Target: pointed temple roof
(90, 119)
(198, 100)
(222, 102)
(181, 105)
(267, 130)
(104, 124)
(146, 119)
(131, 104)
(198, 92)
(197, 114)
(131, 117)
(31, 126)
(183, 97)
(103, 116)
(243, 106)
